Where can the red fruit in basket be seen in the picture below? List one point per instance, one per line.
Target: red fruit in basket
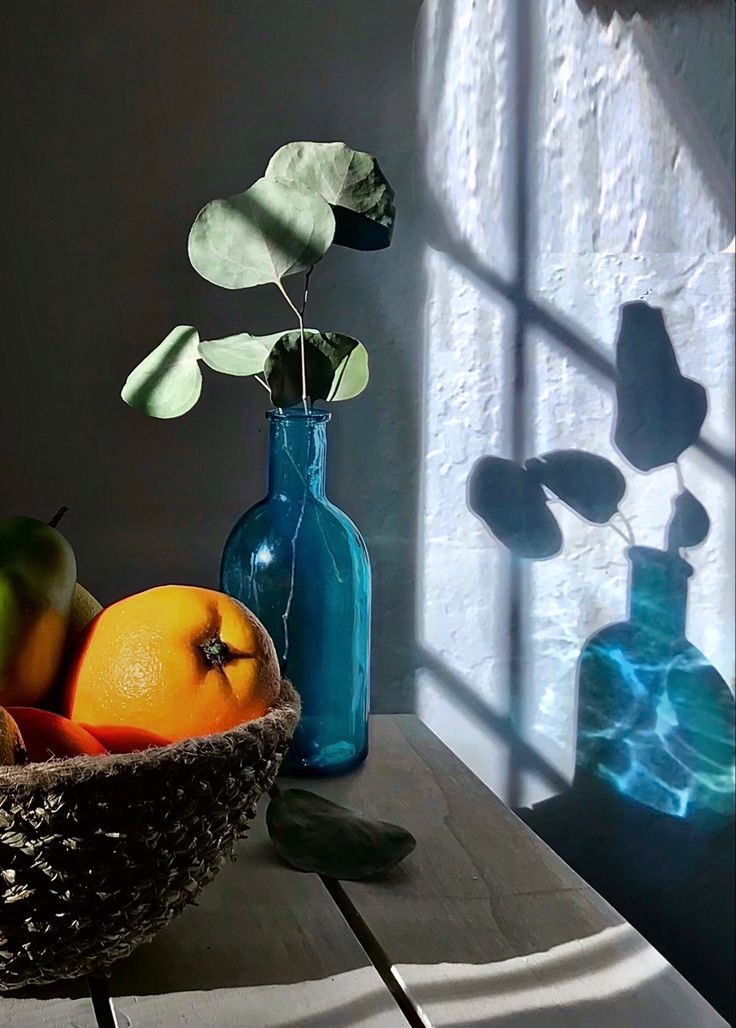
(122, 739)
(49, 735)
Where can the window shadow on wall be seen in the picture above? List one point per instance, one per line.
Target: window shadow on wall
(613, 839)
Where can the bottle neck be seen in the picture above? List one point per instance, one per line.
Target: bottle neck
(659, 591)
(297, 454)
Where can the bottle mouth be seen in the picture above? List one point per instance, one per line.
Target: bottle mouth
(297, 415)
(649, 556)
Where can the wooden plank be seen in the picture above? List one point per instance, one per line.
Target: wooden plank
(354, 998)
(613, 979)
(484, 925)
(266, 946)
(62, 1005)
(45, 1010)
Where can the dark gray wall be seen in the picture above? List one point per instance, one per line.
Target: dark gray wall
(119, 121)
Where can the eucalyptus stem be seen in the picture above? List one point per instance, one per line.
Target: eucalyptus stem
(628, 536)
(618, 531)
(629, 528)
(260, 381)
(306, 289)
(302, 347)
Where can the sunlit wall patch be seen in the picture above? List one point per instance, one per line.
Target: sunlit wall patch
(614, 208)
(655, 719)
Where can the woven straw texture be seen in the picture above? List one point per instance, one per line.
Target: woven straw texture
(97, 854)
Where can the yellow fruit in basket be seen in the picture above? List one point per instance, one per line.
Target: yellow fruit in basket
(37, 575)
(84, 608)
(12, 747)
(176, 660)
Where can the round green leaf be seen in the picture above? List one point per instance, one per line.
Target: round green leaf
(242, 354)
(269, 231)
(325, 354)
(351, 377)
(591, 485)
(283, 369)
(650, 388)
(315, 834)
(168, 382)
(350, 180)
(513, 505)
(689, 524)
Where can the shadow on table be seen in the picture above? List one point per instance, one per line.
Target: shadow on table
(671, 878)
(71, 988)
(256, 924)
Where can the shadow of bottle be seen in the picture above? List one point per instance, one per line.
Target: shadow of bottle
(649, 819)
(655, 718)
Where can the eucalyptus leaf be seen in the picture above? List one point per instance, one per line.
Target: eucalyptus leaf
(336, 346)
(283, 371)
(315, 834)
(659, 412)
(351, 377)
(513, 504)
(269, 231)
(689, 524)
(350, 180)
(590, 484)
(241, 354)
(168, 382)
(324, 354)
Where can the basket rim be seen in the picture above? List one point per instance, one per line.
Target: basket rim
(280, 719)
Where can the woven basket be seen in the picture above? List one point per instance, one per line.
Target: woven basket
(97, 854)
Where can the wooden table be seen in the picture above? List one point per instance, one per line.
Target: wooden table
(482, 926)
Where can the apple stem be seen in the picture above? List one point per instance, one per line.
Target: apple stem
(58, 516)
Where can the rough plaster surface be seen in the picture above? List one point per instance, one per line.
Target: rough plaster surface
(619, 208)
(612, 163)
(466, 117)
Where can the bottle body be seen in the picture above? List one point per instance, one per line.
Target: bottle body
(655, 719)
(301, 566)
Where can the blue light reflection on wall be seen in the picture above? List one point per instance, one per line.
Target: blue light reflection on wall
(655, 718)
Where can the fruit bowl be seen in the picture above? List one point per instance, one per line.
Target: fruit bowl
(97, 854)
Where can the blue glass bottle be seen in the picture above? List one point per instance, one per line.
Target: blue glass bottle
(300, 564)
(655, 719)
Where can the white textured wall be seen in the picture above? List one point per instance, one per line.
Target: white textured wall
(620, 206)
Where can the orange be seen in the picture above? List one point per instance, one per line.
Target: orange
(49, 735)
(177, 661)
